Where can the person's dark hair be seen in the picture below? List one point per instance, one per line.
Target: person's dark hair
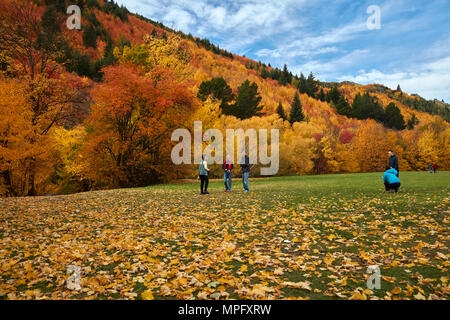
(388, 168)
(203, 157)
(391, 151)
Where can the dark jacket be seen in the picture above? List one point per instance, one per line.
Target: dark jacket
(393, 162)
(228, 167)
(245, 166)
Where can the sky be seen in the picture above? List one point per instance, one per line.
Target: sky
(336, 40)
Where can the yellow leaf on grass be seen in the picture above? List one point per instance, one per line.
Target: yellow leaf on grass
(182, 281)
(147, 295)
(397, 290)
(298, 285)
(358, 296)
(174, 261)
(441, 256)
(410, 290)
(368, 292)
(388, 279)
(278, 271)
(419, 296)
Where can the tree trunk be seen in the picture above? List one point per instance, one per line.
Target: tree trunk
(7, 181)
(31, 187)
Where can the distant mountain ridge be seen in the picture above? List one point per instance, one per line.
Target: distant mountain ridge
(125, 19)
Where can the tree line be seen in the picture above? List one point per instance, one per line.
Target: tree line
(246, 104)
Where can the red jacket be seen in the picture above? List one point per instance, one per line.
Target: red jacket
(227, 167)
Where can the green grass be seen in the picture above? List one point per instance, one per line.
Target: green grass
(282, 231)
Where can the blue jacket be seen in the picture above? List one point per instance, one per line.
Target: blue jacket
(390, 176)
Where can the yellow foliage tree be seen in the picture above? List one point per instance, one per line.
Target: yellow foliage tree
(371, 147)
(429, 149)
(20, 141)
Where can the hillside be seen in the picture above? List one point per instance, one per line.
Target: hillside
(97, 106)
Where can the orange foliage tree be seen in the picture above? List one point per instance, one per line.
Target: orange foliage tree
(129, 129)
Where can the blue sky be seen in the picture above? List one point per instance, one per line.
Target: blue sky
(329, 38)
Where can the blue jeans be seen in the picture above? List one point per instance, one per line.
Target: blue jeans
(227, 179)
(245, 176)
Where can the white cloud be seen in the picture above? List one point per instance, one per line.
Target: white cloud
(243, 22)
(287, 31)
(430, 80)
(315, 44)
(328, 70)
(179, 19)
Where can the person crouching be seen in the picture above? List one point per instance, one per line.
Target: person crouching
(391, 181)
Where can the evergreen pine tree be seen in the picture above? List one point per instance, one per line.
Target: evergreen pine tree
(357, 107)
(296, 110)
(321, 95)
(218, 89)
(302, 86)
(60, 5)
(311, 86)
(281, 112)
(285, 76)
(394, 118)
(247, 102)
(49, 37)
(49, 21)
(366, 107)
(264, 73)
(412, 122)
(343, 107)
(90, 37)
(334, 94)
(108, 57)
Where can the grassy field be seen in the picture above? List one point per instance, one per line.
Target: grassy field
(292, 237)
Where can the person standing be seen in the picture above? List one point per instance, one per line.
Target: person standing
(393, 162)
(391, 180)
(435, 167)
(228, 173)
(245, 168)
(203, 172)
(430, 166)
